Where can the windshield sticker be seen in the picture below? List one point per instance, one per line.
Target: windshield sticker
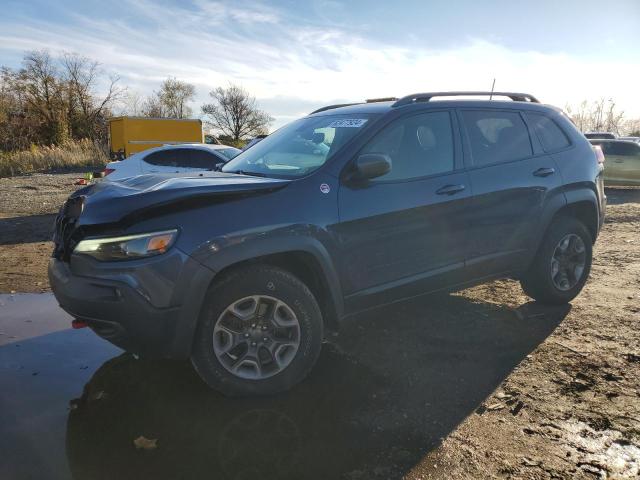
(348, 123)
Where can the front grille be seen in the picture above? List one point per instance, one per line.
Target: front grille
(66, 232)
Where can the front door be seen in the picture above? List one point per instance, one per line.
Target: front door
(403, 233)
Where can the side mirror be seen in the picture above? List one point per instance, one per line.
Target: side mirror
(371, 165)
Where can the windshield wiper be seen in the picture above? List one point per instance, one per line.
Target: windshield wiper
(251, 174)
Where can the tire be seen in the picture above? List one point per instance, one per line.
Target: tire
(260, 332)
(546, 283)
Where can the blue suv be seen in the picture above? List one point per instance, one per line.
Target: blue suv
(352, 207)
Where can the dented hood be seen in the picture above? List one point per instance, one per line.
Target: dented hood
(112, 202)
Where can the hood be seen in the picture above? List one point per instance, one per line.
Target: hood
(113, 202)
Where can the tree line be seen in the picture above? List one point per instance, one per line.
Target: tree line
(53, 99)
(603, 115)
(50, 100)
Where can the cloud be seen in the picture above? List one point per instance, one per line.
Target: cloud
(294, 67)
(249, 14)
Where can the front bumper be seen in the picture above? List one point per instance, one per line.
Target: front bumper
(150, 308)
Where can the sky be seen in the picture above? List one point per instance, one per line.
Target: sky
(295, 56)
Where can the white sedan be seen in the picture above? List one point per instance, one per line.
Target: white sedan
(186, 157)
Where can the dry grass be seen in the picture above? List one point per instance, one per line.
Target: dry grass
(71, 154)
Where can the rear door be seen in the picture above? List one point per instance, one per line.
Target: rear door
(511, 178)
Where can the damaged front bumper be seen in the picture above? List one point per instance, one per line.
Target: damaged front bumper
(149, 306)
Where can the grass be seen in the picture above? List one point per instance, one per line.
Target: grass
(72, 154)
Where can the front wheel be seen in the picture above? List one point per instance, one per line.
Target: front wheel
(260, 332)
(562, 265)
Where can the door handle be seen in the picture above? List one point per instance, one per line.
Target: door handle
(618, 161)
(544, 172)
(450, 189)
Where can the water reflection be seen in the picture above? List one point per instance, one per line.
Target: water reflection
(311, 432)
(373, 412)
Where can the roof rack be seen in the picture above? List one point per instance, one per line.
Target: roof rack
(383, 99)
(425, 97)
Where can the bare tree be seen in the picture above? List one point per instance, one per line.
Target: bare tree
(171, 101)
(17, 127)
(579, 115)
(40, 87)
(131, 103)
(632, 127)
(52, 99)
(600, 115)
(152, 107)
(175, 96)
(235, 113)
(86, 110)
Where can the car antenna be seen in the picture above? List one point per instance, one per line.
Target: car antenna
(493, 85)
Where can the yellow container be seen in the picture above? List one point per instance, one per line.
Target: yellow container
(129, 135)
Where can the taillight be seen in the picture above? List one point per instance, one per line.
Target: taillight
(76, 324)
(597, 149)
(107, 171)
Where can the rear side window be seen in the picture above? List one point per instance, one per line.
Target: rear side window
(621, 149)
(203, 159)
(178, 158)
(496, 136)
(551, 136)
(419, 145)
(228, 153)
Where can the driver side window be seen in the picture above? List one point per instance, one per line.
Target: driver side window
(418, 146)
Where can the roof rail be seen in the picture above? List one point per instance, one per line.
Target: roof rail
(368, 100)
(425, 97)
(331, 107)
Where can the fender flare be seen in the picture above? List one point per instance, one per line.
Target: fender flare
(214, 258)
(558, 203)
(588, 196)
(223, 253)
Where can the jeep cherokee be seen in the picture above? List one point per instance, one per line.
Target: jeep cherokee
(352, 207)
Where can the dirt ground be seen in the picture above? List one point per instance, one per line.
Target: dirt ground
(569, 409)
(28, 206)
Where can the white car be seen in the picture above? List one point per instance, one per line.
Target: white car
(186, 157)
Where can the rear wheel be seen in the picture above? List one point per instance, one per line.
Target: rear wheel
(561, 266)
(260, 332)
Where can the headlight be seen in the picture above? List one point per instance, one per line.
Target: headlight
(128, 247)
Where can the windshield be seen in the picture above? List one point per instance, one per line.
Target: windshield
(299, 148)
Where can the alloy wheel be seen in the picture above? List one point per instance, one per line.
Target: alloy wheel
(568, 262)
(256, 337)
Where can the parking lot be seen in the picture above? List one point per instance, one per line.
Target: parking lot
(483, 383)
